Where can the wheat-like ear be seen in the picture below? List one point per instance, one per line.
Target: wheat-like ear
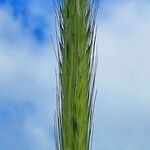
(76, 59)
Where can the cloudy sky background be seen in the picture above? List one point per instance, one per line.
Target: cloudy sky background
(27, 75)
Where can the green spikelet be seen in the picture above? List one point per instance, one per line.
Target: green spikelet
(76, 75)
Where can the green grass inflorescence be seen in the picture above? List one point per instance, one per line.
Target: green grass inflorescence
(76, 75)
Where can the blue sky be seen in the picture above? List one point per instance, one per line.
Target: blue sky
(27, 75)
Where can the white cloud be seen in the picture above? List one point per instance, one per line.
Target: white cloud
(124, 49)
(27, 73)
(123, 80)
(39, 135)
